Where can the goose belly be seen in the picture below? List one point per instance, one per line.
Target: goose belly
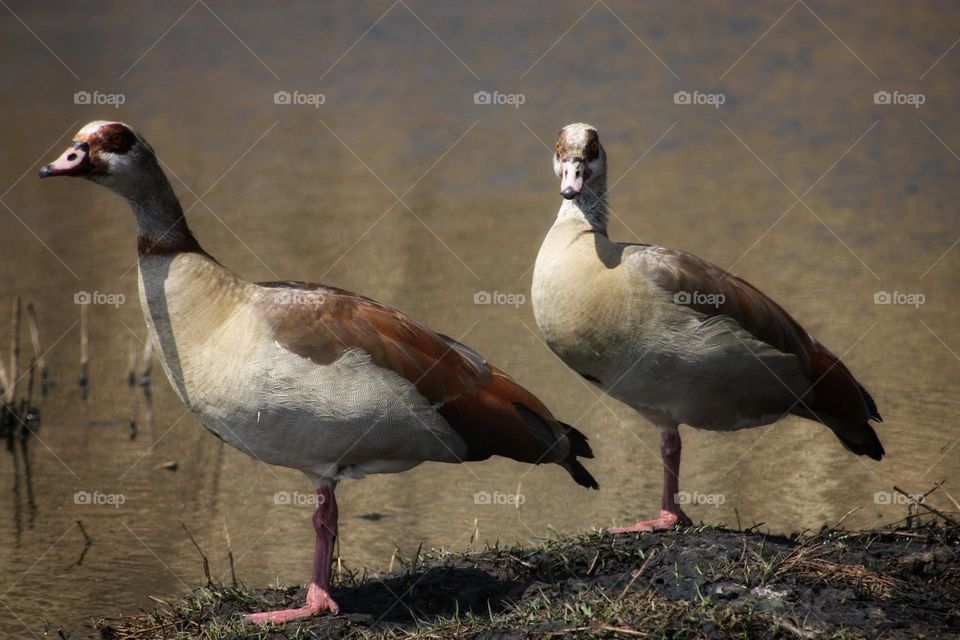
(705, 377)
(347, 418)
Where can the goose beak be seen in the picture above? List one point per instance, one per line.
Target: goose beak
(75, 161)
(571, 177)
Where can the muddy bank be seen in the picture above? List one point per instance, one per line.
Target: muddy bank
(699, 583)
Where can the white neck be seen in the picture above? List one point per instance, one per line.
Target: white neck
(590, 205)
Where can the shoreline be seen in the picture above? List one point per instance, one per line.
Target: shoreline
(701, 582)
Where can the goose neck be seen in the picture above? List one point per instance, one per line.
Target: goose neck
(161, 226)
(589, 206)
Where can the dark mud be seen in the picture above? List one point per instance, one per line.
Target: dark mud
(698, 583)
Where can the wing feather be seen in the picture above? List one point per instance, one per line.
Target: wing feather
(712, 291)
(491, 412)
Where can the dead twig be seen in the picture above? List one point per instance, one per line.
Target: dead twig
(951, 498)
(38, 355)
(924, 505)
(4, 379)
(638, 572)
(206, 563)
(84, 380)
(11, 390)
(233, 571)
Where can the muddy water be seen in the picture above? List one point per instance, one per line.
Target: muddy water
(294, 191)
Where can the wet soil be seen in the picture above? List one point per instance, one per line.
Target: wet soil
(697, 583)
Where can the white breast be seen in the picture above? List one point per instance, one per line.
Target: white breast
(663, 359)
(348, 417)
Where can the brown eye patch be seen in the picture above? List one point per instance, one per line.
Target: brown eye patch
(114, 138)
(593, 145)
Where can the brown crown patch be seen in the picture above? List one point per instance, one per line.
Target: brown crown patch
(589, 149)
(111, 138)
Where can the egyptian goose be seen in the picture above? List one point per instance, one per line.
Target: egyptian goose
(676, 338)
(304, 375)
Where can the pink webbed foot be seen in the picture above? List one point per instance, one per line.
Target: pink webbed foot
(318, 595)
(318, 601)
(666, 521)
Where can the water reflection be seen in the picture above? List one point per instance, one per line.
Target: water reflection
(308, 193)
(18, 447)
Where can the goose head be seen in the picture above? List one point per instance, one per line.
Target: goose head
(111, 154)
(579, 161)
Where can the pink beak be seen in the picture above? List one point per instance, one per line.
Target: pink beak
(571, 177)
(72, 162)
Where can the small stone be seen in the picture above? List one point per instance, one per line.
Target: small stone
(728, 590)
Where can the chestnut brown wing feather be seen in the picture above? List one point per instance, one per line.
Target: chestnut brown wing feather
(492, 413)
(837, 392)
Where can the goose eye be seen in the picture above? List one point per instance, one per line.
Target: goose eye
(593, 147)
(116, 139)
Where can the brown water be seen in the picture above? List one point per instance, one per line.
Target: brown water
(292, 191)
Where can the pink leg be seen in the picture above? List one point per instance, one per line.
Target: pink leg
(671, 514)
(318, 595)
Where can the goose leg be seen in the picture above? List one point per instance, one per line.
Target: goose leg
(318, 595)
(671, 514)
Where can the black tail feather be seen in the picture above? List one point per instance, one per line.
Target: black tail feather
(579, 473)
(579, 447)
(869, 446)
